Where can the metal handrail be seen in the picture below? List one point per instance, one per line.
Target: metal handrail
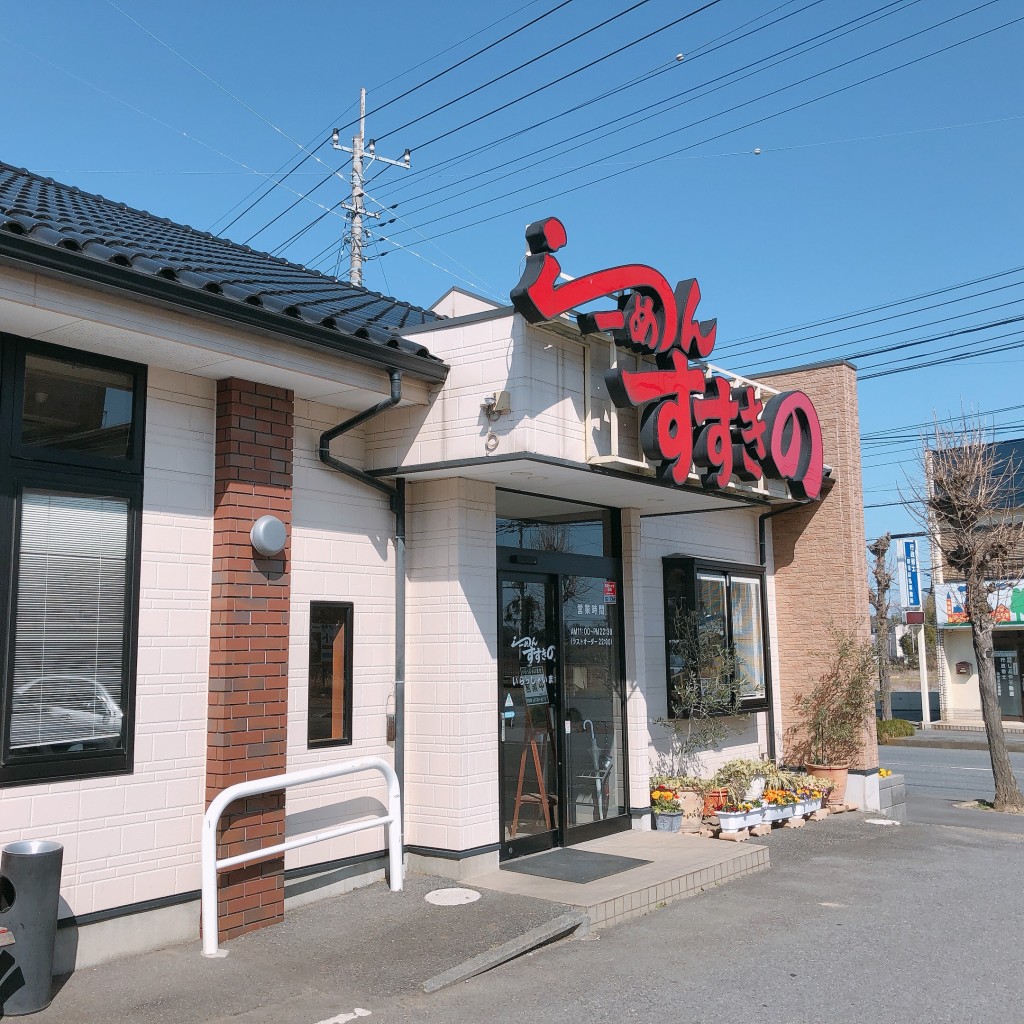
(208, 850)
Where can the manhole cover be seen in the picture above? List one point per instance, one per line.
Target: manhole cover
(452, 897)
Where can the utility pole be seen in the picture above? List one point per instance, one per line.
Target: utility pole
(356, 208)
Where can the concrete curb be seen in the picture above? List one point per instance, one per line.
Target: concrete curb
(539, 936)
(1014, 747)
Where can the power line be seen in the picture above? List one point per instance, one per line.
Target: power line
(875, 309)
(629, 120)
(958, 357)
(946, 419)
(869, 353)
(520, 67)
(324, 131)
(894, 3)
(466, 60)
(288, 209)
(899, 316)
(139, 110)
(570, 74)
(488, 287)
(749, 124)
(550, 119)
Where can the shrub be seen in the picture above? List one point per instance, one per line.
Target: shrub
(833, 714)
(887, 730)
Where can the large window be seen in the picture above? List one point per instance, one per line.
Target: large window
(70, 501)
(330, 674)
(729, 603)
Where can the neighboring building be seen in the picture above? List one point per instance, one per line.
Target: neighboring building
(960, 699)
(162, 389)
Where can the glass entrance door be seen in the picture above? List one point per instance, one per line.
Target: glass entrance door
(560, 711)
(528, 713)
(592, 705)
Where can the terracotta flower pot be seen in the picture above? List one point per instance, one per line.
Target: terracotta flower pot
(715, 799)
(835, 774)
(693, 810)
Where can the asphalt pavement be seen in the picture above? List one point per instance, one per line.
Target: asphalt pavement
(861, 920)
(938, 779)
(325, 960)
(856, 923)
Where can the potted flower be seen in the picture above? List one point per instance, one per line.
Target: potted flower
(744, 776)
(689, 792)
(779, 804)
(702, 697)
(668, 815)
(735, 816)
(834, 715)
(810, 799)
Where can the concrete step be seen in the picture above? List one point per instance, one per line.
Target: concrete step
(678, 866)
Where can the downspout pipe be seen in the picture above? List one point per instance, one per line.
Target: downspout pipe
(396, 502)
(343, 467)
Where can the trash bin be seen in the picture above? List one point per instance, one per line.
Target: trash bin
(29, 894)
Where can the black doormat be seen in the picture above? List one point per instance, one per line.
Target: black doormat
(570, 865)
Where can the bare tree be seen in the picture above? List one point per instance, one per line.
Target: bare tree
(968, 500)
(879, 598)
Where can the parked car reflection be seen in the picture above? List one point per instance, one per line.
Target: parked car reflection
(64, 713)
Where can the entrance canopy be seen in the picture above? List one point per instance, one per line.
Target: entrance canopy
(597, 485)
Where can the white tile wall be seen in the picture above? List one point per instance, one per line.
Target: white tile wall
(342, 550)
(542, 373)
(451, 694)
(135, 837)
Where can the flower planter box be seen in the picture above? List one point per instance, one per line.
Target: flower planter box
(668, 821)
(734, 821)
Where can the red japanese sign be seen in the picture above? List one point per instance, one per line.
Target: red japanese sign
(690, 419)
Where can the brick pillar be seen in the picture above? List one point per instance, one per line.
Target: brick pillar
(248, 698)
(819, 551)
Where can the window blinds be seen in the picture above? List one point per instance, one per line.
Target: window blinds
(69, 644)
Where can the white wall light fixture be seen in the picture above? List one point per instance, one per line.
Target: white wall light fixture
(268, 536)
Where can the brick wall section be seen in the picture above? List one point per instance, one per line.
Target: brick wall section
(819, 552)
(248, 695)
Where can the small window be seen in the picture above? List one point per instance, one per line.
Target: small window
(77, 407)
(728, 602)
(330, 673)
(555, 525)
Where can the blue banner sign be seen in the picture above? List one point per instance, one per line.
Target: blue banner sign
(910, 582)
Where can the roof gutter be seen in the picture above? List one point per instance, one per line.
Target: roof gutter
(396, 501)
(123, 281)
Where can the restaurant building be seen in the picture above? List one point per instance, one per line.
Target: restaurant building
(489, 515)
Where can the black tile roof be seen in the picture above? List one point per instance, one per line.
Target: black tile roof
(139, 250)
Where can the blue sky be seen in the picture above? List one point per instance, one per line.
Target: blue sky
(887, 189)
